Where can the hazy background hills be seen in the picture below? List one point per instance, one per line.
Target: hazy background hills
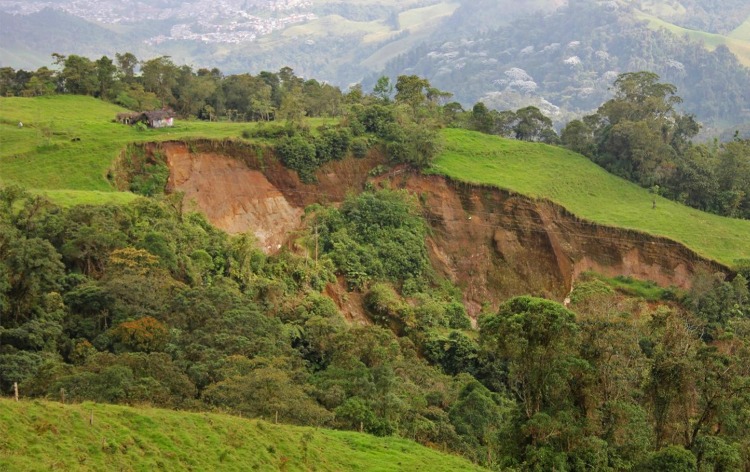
(559, 55)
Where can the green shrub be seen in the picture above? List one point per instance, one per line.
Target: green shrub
(332, 144)
(298, 153)
(360, 147)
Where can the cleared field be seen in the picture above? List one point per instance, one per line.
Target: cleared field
(738, 41)
(67, 144)
(52, 436)
(588, 191)
(417, 17)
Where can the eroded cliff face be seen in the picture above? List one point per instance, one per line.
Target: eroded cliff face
(495, 244)
(491, 243)
(240, 190)
(233, 197)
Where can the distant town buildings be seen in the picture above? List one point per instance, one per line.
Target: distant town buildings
(208, 21)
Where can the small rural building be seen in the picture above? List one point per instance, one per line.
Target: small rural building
(154, 119)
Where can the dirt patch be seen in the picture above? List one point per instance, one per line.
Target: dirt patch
(495, 244)
(232, 196)
(492, 243)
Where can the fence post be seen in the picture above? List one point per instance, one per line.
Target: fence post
(15, 390)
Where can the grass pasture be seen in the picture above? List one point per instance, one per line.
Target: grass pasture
(588, 191)
(52, 436)
(67, 144)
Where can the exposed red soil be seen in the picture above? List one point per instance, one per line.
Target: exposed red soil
(495, 244)
(491, 243)
(232, 196)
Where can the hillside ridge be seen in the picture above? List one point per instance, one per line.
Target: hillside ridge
(92, 436)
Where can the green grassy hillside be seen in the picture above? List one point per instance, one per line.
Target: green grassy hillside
(68, 143)
(588, 191)
(52, 436)
(42, 156)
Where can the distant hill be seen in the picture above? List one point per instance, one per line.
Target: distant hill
(568, 52)
(91, 436)
(565, 60)
(338, 42)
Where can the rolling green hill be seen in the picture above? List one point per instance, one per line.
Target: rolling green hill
(42, 157)
(52, 436)
(588, 191)
(68, 143)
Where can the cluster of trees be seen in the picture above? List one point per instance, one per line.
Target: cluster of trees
(527, 124)
(640, 136)
(405, 127)
(147, 304)
(159, 82)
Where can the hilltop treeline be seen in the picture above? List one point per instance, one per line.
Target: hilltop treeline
(160, 83)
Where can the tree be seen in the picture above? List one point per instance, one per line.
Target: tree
(41, 83)
(532, 125)
(412, 90)
(383, 89)
(79, 75)
(105, 74)
(481, 118)
(639, 133)
(292, 105)
(578, 137)
(160, 77)
(537, 341)
(669, 459)
(478, 415)
(126, 64)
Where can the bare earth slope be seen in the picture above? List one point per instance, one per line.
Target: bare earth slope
(232, 196)
(492, 243)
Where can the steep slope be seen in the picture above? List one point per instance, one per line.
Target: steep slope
(496, 244)
(244, 201)
(107, 437)
(588, 191)
(493, 243)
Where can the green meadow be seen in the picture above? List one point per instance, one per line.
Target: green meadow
(67, 144)
(588, 191)
(40, 435)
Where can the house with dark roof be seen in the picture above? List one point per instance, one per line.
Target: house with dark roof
(153, 119)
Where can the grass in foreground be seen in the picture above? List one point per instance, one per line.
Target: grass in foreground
(588, 191)
(42, 435)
